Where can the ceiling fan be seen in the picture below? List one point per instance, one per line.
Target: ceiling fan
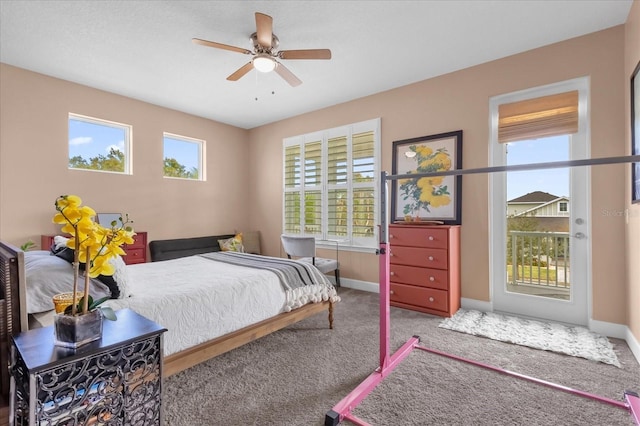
(265, 53)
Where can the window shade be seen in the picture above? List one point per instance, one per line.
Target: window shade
(539, 117)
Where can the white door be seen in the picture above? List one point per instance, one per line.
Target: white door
(566, 296)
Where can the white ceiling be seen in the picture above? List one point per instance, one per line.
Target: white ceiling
(143, 49)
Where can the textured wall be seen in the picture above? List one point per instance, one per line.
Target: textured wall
(460, 100)
(632, 57)
(34, 156)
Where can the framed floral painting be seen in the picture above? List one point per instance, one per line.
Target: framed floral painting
(430, 198)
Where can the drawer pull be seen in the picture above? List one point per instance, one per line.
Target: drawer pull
(432, 279)
(390, 235)
(431, 299)
(430, 237)
(390, 254)
(392, 273)
(391, 292)
(430, 258)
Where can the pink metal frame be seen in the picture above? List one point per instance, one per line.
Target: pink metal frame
(343, 409)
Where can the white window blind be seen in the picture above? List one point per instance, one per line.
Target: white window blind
(332, 193)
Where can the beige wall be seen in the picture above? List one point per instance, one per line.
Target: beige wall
(460, 100)
(632, 57)
(34, 155)
(33, 158)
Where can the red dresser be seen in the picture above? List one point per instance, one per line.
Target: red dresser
(425, 268)
(136, 252)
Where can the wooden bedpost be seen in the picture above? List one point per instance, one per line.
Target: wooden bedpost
(331, 315)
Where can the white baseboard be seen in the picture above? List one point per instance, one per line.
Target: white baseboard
(360, 285)
(477, 305)
(633, 343)
(618, 331)
(609, 329)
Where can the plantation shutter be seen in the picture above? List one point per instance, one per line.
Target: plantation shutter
(292, 181)
(539, 117)
(363, 165)
(337, 181)
(313, 188)
(330, 184)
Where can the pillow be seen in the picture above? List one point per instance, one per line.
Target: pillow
(121, 276)
(47, 275)
(232, 244)
(251, 242)
(113, 282)
(59, 242)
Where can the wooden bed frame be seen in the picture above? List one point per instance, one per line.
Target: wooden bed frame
(13, 319)
(207, 350)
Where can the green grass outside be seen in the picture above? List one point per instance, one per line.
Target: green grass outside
(532, 273)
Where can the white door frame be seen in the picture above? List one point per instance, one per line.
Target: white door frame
(578, 310)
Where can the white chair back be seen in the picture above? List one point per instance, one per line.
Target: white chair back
(297, 246)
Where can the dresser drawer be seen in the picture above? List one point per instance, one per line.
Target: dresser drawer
(417, 236)
(425, 277)
(415, 256)
(419, 296)
(134, 255)
(136, 252)
(139, 241)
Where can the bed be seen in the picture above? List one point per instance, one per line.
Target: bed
(188, 280)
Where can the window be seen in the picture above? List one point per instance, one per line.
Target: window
(563, 206)
(331, 181)
(99, 145)
(183, 157)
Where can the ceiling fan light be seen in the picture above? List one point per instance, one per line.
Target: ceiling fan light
(264, 63)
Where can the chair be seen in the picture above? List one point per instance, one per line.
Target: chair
(304, 250)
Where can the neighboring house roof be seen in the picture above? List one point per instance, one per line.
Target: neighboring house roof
(535, 197)
(538, 207)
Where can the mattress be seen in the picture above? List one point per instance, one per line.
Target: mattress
(197, 299)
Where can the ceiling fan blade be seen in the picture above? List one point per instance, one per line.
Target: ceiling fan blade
(264, 29)
(305, 54)
(287, 75)
(220, 46)
(240, 72)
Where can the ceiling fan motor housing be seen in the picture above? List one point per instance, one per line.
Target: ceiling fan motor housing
(274, 43)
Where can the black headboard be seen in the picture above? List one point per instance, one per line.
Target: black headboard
(182, 247)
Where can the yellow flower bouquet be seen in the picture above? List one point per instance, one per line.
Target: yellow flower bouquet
(92, 245)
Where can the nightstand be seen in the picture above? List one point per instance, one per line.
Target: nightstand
(136, 252)
(114, 380)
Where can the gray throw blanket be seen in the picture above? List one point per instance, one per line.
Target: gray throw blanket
(302, 282)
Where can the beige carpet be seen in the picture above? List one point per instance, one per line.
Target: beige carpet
(294, 376)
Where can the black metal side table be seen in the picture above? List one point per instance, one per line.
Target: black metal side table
(116, 380)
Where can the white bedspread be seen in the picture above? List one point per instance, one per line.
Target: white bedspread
(197, 299)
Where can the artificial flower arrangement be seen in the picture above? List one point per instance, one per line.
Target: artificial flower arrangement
(93, 245)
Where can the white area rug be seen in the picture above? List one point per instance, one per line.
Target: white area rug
(569, 340)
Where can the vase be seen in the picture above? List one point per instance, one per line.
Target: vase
(62, 300)
(74, 331)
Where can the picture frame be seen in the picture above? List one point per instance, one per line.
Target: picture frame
(635, 134)
(105, 219)
(427, 200)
